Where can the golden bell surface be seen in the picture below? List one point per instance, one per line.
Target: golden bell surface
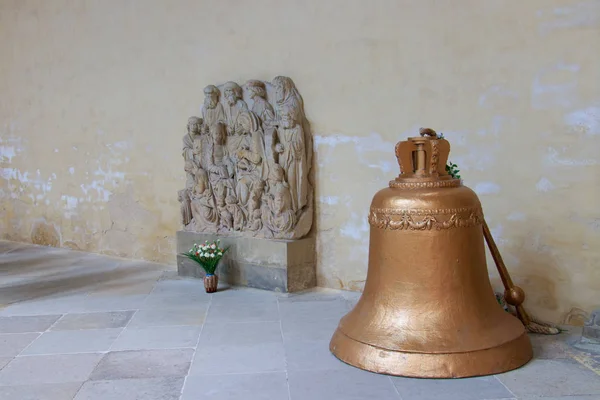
(428, 309)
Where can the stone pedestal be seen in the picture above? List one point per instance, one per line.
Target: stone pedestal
(277, 265)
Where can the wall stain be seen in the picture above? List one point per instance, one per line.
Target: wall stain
(576, 316)
(45, 234)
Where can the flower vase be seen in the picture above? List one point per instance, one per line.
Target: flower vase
(210, 283)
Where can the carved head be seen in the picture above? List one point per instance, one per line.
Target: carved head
(232, 92)
(193, 125)
(283, 87)
(287, 117)
(211, 96)
(217, 132)
(256, 88)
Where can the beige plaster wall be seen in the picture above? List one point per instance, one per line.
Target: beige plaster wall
(94, 98)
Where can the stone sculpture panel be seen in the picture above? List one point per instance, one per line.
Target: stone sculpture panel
(247, 161)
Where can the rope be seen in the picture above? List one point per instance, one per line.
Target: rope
(536, 325)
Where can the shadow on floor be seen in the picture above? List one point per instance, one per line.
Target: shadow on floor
(30, 273)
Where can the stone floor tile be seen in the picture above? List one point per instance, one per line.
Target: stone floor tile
(183, 287)
(32, 370)
(172, 275)
(347, 384)
(169, 316)
(23, 324)
(137, 287)
(68, 342)
(320, 329)
(551, 378)
(241, 334)
(56, 391)
(132, 389)
(263, 386)
(142, 364)
(264, 357)
(314, 294)
(4, 361)
(487, 387)
(244, 295)
(155, 301)
(243, 312)
(113, 303)
(551, 346)
(311, 355)
(582, 397)
(96, 320)
(55, 274)
(52, 305)
(163, 337)
(11, 344)
(313, 310)
(239, 348)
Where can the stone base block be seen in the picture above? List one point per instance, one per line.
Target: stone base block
(278, 265)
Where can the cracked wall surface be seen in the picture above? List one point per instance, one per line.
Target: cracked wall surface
(95, 96)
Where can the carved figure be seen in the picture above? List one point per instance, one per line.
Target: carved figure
(234, 106)
(183, 197)
(212, 112)
(189, 172)
(293, 157)
(193, 129)
(277, 215)
(237, 214)
(221, 170)
(205, 214)
(287, 95)
(251, 162)
(261, 107)
(276, 179)
(254, 211)
(225, 217)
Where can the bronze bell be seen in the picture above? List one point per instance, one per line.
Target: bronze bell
(428, 309)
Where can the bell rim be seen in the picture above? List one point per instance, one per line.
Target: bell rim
(495, 360)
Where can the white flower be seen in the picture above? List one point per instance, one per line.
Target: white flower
(204, 254)
(220, 254)
(212, 246)
(212, 255)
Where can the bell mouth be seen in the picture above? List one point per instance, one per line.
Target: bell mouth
(495, 360)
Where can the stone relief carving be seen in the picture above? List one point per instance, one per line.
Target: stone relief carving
(247, 162)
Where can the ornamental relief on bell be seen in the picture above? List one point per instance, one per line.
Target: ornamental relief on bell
(397, 219)
(247, 160)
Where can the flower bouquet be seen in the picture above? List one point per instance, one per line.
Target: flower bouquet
(208, 255)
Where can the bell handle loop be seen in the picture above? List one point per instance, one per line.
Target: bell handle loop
(514, 295)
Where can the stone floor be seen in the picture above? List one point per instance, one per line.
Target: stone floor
(81, 326)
